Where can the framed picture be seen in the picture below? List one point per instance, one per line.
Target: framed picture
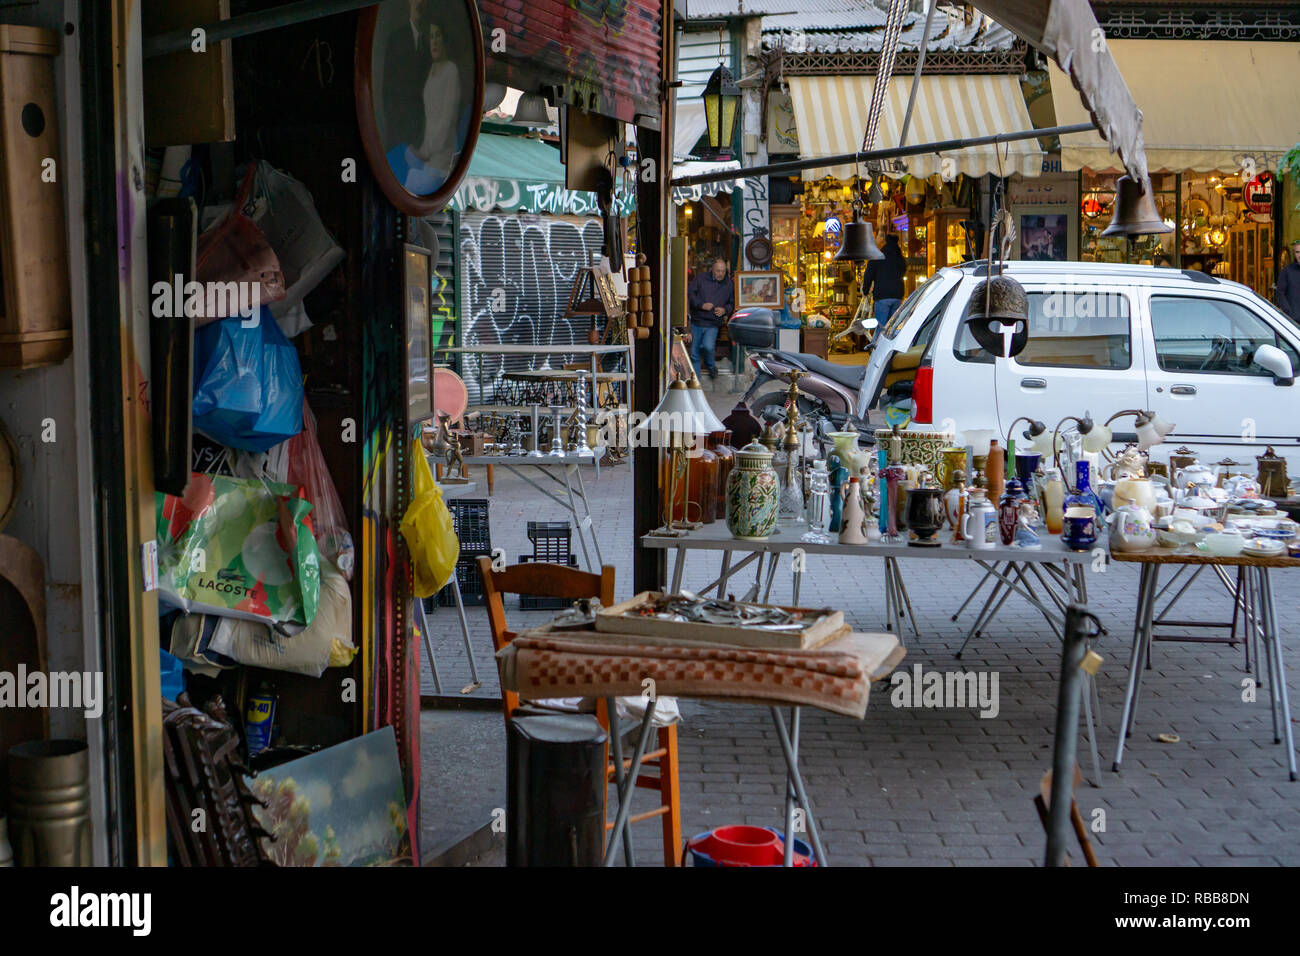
(760, 289)
(1044, 237)
(419, 89)
(419, 381)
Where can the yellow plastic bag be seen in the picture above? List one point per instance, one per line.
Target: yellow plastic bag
(428, 530)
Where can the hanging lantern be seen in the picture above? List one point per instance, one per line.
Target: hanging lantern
(721, 107)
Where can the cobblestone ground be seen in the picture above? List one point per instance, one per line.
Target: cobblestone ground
(946, 787)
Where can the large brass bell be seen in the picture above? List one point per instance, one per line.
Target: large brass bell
(1135, 210)
(999, 304)
(859, 242)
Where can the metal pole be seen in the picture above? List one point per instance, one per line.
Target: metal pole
(1059, 827)
(865, 156)
(916, 77)
(286, 15)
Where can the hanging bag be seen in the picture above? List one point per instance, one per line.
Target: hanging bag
(428, 530)
(235, 250)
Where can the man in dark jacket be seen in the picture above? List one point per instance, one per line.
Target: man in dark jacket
(886, 277)
(406, 67)
(712, 298)
(1288, 285)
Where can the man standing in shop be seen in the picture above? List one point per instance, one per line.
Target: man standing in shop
(1288, 285)
(886, 277)
(712, 298)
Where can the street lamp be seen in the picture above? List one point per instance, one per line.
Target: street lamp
(721, 107)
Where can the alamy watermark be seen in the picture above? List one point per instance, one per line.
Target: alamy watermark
(959, 690)
(199, 300)
(71, 690)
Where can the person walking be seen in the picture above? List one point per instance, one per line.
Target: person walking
(1287, 293)
(885, 276)
(712, 298)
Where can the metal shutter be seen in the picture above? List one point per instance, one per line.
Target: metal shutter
(516, 274)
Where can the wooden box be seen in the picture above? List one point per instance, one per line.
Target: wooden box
(824, 625)
(817, 342)
(35, 306)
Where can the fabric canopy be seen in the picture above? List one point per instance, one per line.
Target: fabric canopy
(689, 125)
(831, 114)
(685, 194)
(1067, 31)
(522, 174)
(1227, 110)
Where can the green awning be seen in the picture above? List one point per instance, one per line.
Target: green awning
(522, 174)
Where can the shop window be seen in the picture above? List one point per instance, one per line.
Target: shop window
(1212, 336)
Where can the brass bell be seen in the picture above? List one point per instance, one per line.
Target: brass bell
(859, 242)
(1135, 210)
(998, 297)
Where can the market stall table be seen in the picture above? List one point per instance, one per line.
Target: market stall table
(1260, 612)
(1048, 578)
(544, 663)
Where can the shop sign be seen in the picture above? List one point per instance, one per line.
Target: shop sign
(782, 135)
(1258, 194)
(520, 195)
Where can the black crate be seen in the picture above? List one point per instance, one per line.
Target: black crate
(471, 584)
(528, 602)
(551, 541)
(470, 516)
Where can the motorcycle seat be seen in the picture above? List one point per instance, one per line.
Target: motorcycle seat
(850, 376)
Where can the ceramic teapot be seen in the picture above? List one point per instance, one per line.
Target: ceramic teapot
(1131, 529)
(1196, 479)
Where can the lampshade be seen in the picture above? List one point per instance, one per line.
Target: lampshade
(1042, 443)
(1094, 437)
(1162, 427)
(706, 422)
(979, 439)
(674, 415)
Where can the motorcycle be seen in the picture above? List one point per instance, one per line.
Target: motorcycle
(833, 396)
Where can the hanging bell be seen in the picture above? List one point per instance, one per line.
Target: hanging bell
(531, 112)
(1135, 210)
(996, 304)
(859, 242)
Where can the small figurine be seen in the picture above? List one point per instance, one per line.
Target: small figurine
(1026, 526)
(954, 504)
(449, 445)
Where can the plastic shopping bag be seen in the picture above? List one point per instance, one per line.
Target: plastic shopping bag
(247, 383)
(238, 548)
(234, 254)
(428, 530)
(308, 471)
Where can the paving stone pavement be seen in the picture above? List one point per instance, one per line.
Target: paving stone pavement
(937, 787)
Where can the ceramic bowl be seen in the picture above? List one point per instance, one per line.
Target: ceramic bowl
(1264, 548)
(1174, 539)
(1224, 544)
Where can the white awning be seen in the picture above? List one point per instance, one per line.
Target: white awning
(1233, 105)
(689, 125)
(685, 194)
(831, 116)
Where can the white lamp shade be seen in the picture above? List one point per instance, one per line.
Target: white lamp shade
(1042, 444)
(1162, 427)
(1148, 436)
(706, 421)
(979, 439)
(1097, 439)
(675, 414)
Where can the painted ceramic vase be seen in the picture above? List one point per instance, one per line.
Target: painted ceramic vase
(922, 448)
(752, 494)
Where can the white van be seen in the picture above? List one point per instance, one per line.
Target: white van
(1103, 338)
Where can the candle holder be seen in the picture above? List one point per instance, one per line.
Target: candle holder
(537, 435)
(557, 431)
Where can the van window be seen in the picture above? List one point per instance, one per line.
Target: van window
(900, 317)
(925, 335)
(1213, 336)
(1084, 329)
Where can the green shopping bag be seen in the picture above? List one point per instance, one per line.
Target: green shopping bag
(239, 547)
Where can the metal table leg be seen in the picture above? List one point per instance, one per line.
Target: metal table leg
(1270, 652)
(464, 631)
(906, 599)
(792, 769)
(789, 791)
(725, 573)
(1274, 638)
(679, 565)
(428, 645)
(629, 783)
(573, 509)
(771, 575)
(970, 597)
(616, 751)
(1146, 598)
(586, 521)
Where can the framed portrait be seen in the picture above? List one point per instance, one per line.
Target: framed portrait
(419, 90)
(760, 289)
(419, 375)
(1044, 236)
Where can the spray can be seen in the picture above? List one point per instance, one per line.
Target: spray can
(259, 719)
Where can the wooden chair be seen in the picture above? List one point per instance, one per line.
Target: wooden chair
(553, 580)
(1043, 801)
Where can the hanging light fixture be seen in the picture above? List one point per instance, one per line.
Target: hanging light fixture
(721, 108)
(531, 111)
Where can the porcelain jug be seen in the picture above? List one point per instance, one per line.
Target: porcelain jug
(851, 517)
(1131, 529)
(979, 526)
(752, 494)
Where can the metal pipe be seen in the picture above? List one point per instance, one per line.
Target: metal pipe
(1073, 648)
(285, 15)
(916, 76)
(894, 152)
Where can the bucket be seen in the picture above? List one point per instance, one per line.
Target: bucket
(745, 846)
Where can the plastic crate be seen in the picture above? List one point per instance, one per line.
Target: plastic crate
(551, 541)
(470, 516)
(528, 602)
(471, 584)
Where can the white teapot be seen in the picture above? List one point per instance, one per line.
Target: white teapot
(1132, 529)
(1196, 479)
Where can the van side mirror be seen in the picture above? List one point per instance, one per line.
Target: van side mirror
(1273, 359)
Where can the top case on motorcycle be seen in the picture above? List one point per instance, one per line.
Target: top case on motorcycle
(754, 328)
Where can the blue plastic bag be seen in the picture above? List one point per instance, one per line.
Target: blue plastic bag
(247, 383)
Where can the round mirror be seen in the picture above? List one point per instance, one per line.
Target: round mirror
(419, 88)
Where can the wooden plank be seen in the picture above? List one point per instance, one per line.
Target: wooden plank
(619, 619)
(188, 96)
(1168, 556)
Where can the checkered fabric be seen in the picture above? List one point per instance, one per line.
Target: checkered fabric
(832, 677)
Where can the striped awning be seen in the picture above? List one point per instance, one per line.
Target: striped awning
(831, 116)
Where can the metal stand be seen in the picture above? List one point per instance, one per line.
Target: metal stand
(464, 631)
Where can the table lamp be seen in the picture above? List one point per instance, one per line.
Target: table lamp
(1151, 428)
(673, 419)
(705, 423)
